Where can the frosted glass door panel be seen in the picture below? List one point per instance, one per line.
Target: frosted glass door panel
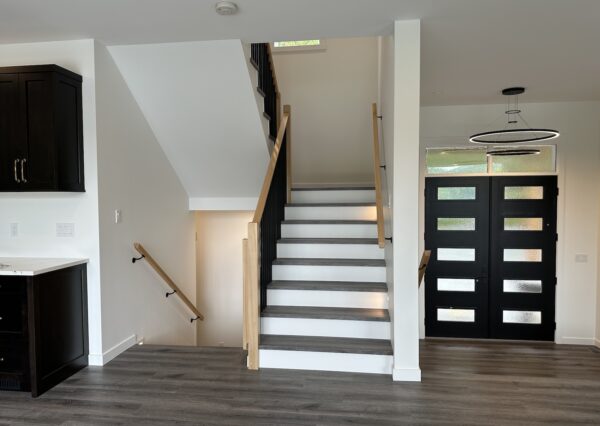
(456, 223)
(522, 286)
(456, 255)
(522, 255)
(456, 193)
(522, 317)
(523, 224)
(456, 315)
(524, 193)
(456, 284)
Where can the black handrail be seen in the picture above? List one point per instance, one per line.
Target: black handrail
(260, 55)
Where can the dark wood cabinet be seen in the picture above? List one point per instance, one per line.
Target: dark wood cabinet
(41, 129)
(43, 329)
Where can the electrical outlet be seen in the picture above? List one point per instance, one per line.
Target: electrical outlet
(65, 229)
(118, 216)
(14, 230)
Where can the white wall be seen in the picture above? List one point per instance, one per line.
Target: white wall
(199, 102)
(38, 213)
(578, 203)
(407, 88)
(136, 177)
(330, 92)
(220, 275)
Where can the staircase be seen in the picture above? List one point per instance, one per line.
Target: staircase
(327, 304)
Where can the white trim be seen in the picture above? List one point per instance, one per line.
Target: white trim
(223, 203)
(406, 374)
(597, 343)
(112, 353)
(586, 341)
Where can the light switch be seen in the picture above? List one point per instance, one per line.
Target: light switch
(581, 258)
(117, 216)
(14, 230)
(65, 229)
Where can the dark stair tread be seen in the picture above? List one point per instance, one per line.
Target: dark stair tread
(329, 286)
(336, 188)
(329, 262)
(349, 204)
(352, 314)
(365, 241)
(326, 344)
(328, 222)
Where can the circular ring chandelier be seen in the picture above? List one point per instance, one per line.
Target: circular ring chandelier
(509, 152)
(513, 133)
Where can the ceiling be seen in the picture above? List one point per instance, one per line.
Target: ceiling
(471, 49)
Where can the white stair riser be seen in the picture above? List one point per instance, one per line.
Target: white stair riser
(328, 230)
(329, 273)
(326, 361)
(325, 328)
(331, 212)
(330, 251)
(333, 196)
(331, 299)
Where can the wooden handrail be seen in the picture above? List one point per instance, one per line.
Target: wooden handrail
(141, 250)
(423, 265)
(264, 192)
(252, 249)
(377, 173)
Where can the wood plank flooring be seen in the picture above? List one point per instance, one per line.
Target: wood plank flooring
(464, 383)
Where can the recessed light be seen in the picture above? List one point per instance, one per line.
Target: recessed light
(226, 8)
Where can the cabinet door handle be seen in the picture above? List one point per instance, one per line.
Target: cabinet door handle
(15, 169)
(23, 170)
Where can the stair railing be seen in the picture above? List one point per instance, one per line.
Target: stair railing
(175, 289)
(423, 264)
(377, 173)
(260, 248)
(262, 59)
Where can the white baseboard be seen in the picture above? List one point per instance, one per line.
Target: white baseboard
(406, 374)
(223, 203)
(597, 343)
(112, 353)
(586, 341)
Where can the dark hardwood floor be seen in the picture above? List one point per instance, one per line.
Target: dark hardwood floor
(466, 383)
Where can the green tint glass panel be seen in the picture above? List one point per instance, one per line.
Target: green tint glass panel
(456, 315)
(456, 224)
(456, 193)
(443, 161)
(297, 43)
(544, 162)
(523, 192)
(522, 255)
(523, 224)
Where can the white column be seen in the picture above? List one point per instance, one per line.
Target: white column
(407, 69)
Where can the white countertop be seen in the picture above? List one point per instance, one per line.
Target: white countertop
(30, 266)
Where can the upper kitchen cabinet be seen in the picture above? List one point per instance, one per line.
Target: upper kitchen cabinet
(41, 129)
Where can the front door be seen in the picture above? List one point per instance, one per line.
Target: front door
(493, 264)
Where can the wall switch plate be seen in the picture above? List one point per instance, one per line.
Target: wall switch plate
(581, 258)
(118, 216)
(65, 229)
(14, 230)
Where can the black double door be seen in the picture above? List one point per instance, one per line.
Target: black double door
(492, 272)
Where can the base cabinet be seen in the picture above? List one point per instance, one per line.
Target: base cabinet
(43, 329)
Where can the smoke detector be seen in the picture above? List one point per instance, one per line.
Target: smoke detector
(226, 8)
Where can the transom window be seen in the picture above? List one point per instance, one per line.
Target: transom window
(475, 160)
(298, 45)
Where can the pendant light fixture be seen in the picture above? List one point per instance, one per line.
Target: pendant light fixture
(517, 129)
